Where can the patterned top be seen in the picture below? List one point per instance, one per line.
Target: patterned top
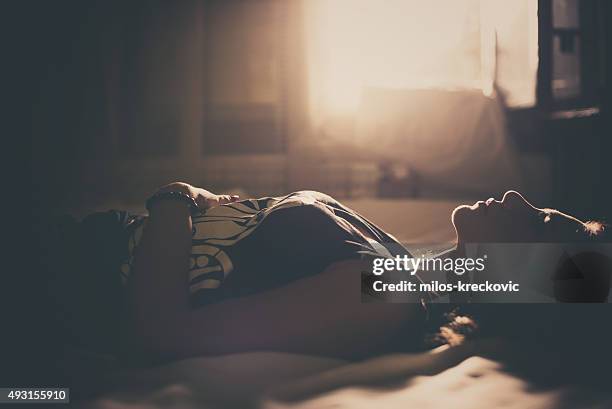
(252, 245)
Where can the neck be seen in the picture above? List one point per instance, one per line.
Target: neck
(457, 252)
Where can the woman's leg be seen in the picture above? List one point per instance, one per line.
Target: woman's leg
(321, 315)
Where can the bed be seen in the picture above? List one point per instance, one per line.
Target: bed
(474, 375)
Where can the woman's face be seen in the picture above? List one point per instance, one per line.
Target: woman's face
(512, 219)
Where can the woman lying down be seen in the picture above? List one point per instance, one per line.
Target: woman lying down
(207, 274)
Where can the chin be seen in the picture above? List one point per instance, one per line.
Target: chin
(459, 219)
(465, 218)
(460, 214)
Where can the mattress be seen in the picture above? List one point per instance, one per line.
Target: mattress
(468, 376)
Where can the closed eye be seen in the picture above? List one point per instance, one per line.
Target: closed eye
(545, 216)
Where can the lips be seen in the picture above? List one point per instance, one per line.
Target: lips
(483, 205)
(478, 205)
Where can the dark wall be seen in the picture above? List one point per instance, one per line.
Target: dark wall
(105, 84)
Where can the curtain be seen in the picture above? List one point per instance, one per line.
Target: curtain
(355, 44)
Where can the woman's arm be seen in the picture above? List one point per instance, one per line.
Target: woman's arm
(158, 289)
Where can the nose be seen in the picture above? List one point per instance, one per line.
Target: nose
(510, 195)
(513, 199)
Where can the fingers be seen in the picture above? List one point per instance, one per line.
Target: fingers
(224, 199)
(206, 202)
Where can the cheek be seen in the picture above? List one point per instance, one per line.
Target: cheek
(469, 224)
(514, 227)
(460, 218)
(494, 225)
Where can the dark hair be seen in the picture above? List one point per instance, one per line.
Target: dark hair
(78, 266)
(463, 322)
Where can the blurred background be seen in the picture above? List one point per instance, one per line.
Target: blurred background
(393, 105)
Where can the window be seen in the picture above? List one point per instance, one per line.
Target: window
(565, 49)
(571, 74)
(355, 44)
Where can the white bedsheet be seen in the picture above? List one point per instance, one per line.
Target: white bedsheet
(475, 383)
(452, 378)
(235, 380)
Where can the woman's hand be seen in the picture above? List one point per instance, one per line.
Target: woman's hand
(203, 198)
